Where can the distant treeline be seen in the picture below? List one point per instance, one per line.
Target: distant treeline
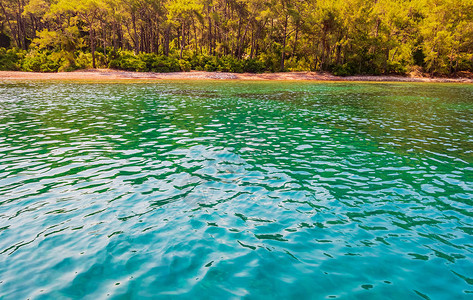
(342, 36)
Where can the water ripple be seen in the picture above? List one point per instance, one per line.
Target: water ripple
(236, 189)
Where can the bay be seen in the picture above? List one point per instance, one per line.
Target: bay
(212, 189)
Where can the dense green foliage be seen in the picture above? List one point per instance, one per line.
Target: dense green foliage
(11, 59)
(342, 36)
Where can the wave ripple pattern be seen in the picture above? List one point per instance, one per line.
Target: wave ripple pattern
(220, 190)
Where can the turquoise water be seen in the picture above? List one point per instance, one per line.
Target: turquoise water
(218, 190)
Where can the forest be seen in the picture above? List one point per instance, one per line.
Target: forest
(344, 37)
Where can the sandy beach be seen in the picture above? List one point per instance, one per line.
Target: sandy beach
(107, 74)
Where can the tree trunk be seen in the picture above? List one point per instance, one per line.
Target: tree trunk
(92, 45)
(15, 37)
(210, 31)
(167, 32)
(195, 37)
(283, 52)
(295, 40)
(183, 40)
(237, 50)
(137, 45)
(252, 50)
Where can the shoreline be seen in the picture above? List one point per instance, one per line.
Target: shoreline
(108, 74)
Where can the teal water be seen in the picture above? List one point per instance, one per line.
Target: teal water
(218, 190)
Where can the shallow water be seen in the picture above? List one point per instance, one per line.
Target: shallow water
(236, 189)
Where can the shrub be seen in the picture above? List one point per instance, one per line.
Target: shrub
(184, 65)
(396, 68)
(84, 60)
(161, 63)
(253, 66)
(150, 60)
(198, 61)
(295, 64)
(59, 61)
(230, 64)
(41, 61)
(147, 62)
(346, 69)
(65, 60)
(11, 59)
(211, 64)
(128, 61)
(271, 61)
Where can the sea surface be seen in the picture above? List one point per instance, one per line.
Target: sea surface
(228, 190)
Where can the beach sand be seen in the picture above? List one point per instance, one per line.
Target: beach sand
(106, 74)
